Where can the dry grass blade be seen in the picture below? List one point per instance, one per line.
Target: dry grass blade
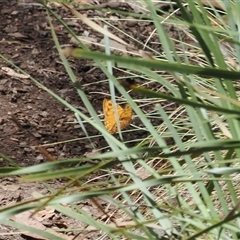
(95, 26)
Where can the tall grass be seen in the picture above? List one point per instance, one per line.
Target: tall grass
(181, 180)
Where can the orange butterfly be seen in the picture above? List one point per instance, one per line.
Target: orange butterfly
(124, 116)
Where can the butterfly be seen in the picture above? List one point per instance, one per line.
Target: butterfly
(124, 116)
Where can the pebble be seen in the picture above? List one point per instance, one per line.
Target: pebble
(14, 13)
(39, 157)
(27, 149)
(131, 22)
(50, 149)
(44, 114)
(22, 144)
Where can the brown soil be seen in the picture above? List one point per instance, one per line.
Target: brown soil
(26, 40)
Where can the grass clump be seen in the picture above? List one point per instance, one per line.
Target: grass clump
(180, 180)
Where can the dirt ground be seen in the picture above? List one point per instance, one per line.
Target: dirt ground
(26, 40)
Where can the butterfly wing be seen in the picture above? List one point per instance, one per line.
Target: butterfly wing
(107, 105)
(126, 116)
(110, 119)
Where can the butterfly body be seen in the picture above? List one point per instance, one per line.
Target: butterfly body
(123, 115)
